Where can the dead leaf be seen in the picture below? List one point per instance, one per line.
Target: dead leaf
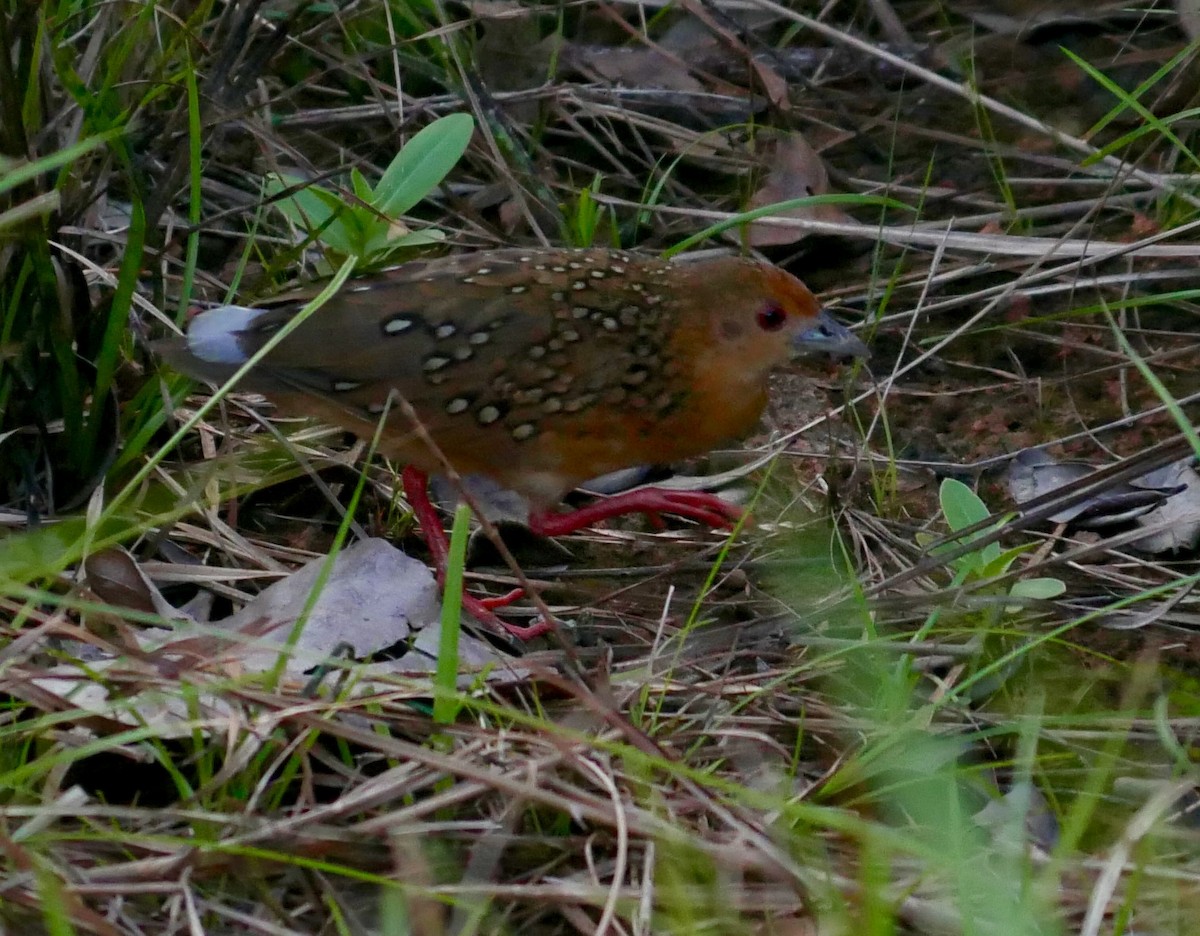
(375, 597)
(1020, 18)
(796, 171)
(774, 84)
(1020, 817)
(118, 580)
(114, 577)
(633, 67)
(1175, 524)
(474, 656)
(1034, 474)
(1189, 17)
(512, 55)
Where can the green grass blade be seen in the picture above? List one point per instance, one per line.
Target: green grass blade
(445, 701)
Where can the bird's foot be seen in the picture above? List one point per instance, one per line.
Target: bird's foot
(694, 505)
(502, 601)
(483, 610)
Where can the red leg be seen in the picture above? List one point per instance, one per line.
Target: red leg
(416, 491)
(703, 508)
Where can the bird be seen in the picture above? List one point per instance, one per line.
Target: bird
(537, 369)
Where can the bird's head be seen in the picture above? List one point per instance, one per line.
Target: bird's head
(761, 316)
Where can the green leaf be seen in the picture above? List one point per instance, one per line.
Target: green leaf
(996, 565)
(418, 238)
(961, 505)
(374, 233)
(411, 239)
(342, 228)
(361, 187)
(309, 206)
(423, 163)
(1041, 588)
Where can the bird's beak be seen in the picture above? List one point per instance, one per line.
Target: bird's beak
(829, 337)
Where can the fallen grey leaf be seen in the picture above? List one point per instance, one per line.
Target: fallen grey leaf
(474, 655)
(1023, 804)
(1176, 522)
(1034, 474)
(1188, 12)
(375, 597)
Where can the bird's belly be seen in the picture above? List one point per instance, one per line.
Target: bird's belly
(560, 458)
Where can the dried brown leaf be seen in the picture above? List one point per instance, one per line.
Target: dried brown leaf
(796, 172)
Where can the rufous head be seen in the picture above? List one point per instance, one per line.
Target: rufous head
(761, 316)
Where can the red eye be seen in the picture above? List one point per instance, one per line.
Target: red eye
(771, 318)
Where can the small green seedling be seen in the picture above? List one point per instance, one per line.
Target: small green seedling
(962, 508)
(586, 221)
(366, 226)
